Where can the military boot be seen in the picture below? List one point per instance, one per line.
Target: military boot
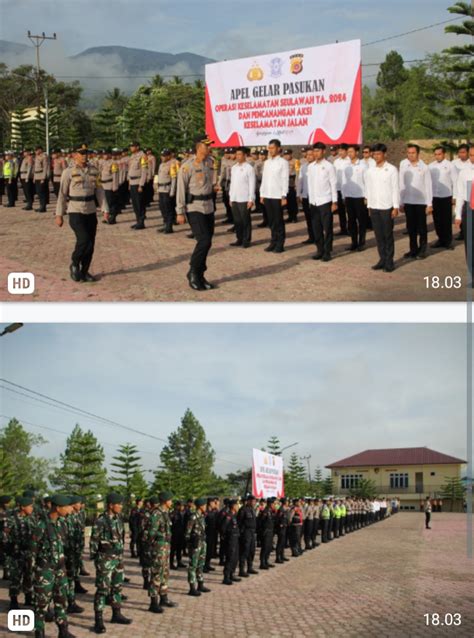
(39, 633)
(99, 626)
(146, 582)
(155, 606)
(242, 573)
(78, 588)
(193, 591)
(118, 618)
(28, 599)
(164, 602)
(14, 604)
(74, 608)
(63, 631)
(6, 575)
(202, 589)
(49, 615)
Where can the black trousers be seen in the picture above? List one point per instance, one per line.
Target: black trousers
(281, 544)
(322, 221)
(85, 228)
(42, 193)
(266, 548)
(247, 549)
(443, 219)
(307, 529)
(382, 223)
(427, 519)
(417, 227)
(226, 202)
(202, 226)
(112, 199)
(467, 237)
(341, 211)
(149, 192)
(28, 187)
(12, 191)
(138, 203)
(357, 216)
(292, 205)
(314, 531)
(324, 524)
(231, 558)
(275, 221)
(166, 210)
(307, 216)
(56, 186)
(242, 222)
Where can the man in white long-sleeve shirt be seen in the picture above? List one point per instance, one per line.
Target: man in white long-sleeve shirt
(353, 192)
(302, 191)
(381, 183)
(459, 163)
(322, 195)
(339, 164)
(242, 197)
(443, 177)
(273, 194)
(416, 200)
(465, 208)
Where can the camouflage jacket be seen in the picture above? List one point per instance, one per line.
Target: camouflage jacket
(18, 534)
(47, 542)
(195, 528)
(107, 536)
(158, 529)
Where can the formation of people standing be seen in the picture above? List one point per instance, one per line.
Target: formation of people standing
(42, 545)
(360, 186)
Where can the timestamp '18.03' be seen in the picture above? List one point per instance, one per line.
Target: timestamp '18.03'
(443, 620)
(448, 282)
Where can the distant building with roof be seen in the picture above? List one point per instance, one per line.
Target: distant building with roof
(410, 473)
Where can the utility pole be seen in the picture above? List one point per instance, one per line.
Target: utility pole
(37, 41)
(307, 458)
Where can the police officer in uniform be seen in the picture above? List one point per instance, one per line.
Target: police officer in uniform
(109, 178)
(194, 198)
(167, 174)
(247, 520)
(41, 173)
(80, 187)
(137, 179)
(27, 179)
(196, 541)
(230, 537)
(10, 177)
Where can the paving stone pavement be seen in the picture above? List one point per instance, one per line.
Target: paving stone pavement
(376, 582)
(146, 266)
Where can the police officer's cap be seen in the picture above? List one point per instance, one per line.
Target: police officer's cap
(165, 496)
(200, 501)
(263, 152)
(60, 500)
(154, 500)
(116, 150)
(283, 500)
(114, 499)
(5, 499)
(166, 152)
(29, 493)
(148, 150)
(203, 139)
(134, 144)
(250, 497)
(226, 501)
(23, 501)
(295, 501)
(82, 149)
(75, 498)
(334, 147)
(232, 501)
(288, 151)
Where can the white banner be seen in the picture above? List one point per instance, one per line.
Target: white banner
(300, 97)
(267, 474)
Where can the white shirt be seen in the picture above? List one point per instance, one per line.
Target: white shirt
(302, 181)
(415, 183)
(458, 164)
(339, 165)
(443, 178)
(465, 177)
(353, 179)
(369, 162)
(242, 183)
(275, 178)
(381, 187)
(322, 183)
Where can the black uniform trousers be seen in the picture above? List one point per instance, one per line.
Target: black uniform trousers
(247, 549)
(56, 186)
(341, 211)
(427, 519)
(358, 216)
(138, 203)
(28, 187)
(468, 237)
(275, 221)
(417, 228)
(443, 219)
(202, 226)
(281, 544)
(322, 221)
(382, 222)
(260, 207)
(292, 205)
(12, 191)
(314, 531)
(266, 548)
(166, 210)
(324, 530)
(226, 202)
(85, 228)
(307, 529)
(307, 216)
(42, 193)
(231, 557)
(2, 187)
(242, 222)
(112, 199)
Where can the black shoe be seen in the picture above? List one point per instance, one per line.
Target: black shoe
(190, 236)
(437, 244)
(236, 243)
(99, 626)
(88, 278)
(263, 566)
(285, 560)
(139, 227)
(230, 230)
(118, 618)
(28, 599)
(236, 579)
(262, 225)
(409, 255)
(202, 588)
(183, 565)
(378, 266)
(49, 615)
(459, 237)
(161, 230)
(361, 248)
(112, 221)
(242, 574)
(146, 584)
(227, 581)
(279, 561)
(270, 566)
(450, 247)
(155, 606)
(246, 244)
(78, 588)
(317, 256)
(195, 281)
(74, 608)
(352, 248)
(63, 631)
(270, 248)
(326, 258)
(39, 633)
(193, 591)
(307, 241)
(389, 268)
(169, 231)
(422, 255)
(164, 602)
(14, 604)
(75, 273)
(133, 226)
(280, 249)
(252, 571)
(207, 285)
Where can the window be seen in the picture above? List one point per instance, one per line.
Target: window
(350, 481)
(432, 473)
(398, 480)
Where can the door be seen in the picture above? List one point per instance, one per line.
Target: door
(419, 482)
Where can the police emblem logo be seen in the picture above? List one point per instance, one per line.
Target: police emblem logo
(255, 73)
(276, 65)
(296, 63)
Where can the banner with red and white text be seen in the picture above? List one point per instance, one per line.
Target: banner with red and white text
(267, 474)
(300, 97)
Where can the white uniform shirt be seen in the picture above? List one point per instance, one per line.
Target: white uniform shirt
(339, 165)
(369, 162)
(353, 179)
(415, 183)
(443, 178)
(381, 187)
(322, 183)
(458, 166)
(275, 178)
(465, 178)
(302, 182)
(242, 183)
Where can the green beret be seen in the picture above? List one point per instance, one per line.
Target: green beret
(60, 500)
(5, 499)
(23, 501)
(165, 496)
(114, 499)
(29, 493)
(74, 498)
(200, 501)
(154, 500)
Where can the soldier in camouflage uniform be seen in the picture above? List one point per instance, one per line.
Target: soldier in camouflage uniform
(18, 546)
(142, 546)
(4, 515)
(71, 549)
(196, 541)
(134, 524)
(49, 576)
(81, 519)
(106, 548)
(158, 538)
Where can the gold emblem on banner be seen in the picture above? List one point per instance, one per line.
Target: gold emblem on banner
(296, 63)
(255, 73)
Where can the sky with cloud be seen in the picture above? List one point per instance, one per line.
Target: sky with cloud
(334, 389)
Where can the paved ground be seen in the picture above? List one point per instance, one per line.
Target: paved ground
(378, 581)
(146, 266)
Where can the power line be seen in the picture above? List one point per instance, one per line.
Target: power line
(400, 35)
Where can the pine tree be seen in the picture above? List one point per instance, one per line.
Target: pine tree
(138, 485)
(8, 483)
(453, 490)
(296, 483)
(366, 488)
(127, 462)
(82, 468)
(328, 486)
(274, 446)
(318, 485)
